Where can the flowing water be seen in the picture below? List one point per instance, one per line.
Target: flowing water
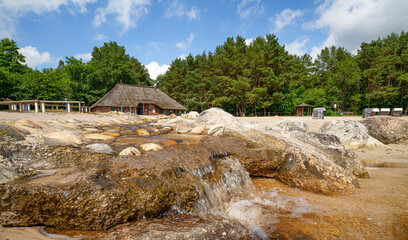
(271, 210)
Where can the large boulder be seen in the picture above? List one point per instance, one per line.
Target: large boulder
(387, 129)
(331, 145)
(215, 116)
(352, 134)
(291, 125)
(295, 162)
(193, 115)
(99, 193)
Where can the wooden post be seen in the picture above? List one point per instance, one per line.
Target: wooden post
(69, 107)
(79, 107)
(29, 107)
(20, 106)
(36, 107)
(43, 107)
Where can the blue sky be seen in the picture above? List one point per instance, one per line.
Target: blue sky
(158, 31)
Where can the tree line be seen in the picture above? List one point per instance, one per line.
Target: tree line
(72, 79)
(259, 78)
(262, 77)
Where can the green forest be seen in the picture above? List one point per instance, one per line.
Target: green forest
(261, 78)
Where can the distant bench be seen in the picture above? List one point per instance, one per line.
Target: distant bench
(348, 113)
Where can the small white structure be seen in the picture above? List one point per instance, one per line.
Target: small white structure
(396, 112)
(318, 113)
(384, 111)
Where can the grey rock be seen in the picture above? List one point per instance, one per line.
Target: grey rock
(10, 131)
(387, 129)
(52, 142)
(99, 148)
(330, 145)
(352, 134)
(295, 162)
(291, 125)
(214, 116)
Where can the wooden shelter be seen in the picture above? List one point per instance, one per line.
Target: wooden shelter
(137, 99)
(302, 109)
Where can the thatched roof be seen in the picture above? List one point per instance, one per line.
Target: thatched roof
(126, 95)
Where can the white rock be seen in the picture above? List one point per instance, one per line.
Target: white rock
(130, 151)
(291, 125)
(151, 147)
(216, 130)
(198, 130)
(99, 148)
(352, 134)
(65, 136)
(218, 116)
(193, 115)
(252, 124)
(97, 136)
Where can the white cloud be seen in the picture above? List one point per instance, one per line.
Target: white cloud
(297, 47)
(250, 7)
(126, 12)
(101, 37)
(7, 27)
(284, 18)
(249, 41)
(84, 56)
(11, 10)
(182, 56)
(42, 6)
(178, 9)
(330, 41)
(183, 45)
(34, 57)
(349, 23)
(155, 69)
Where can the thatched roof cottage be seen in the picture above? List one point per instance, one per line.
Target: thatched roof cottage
(137, 99)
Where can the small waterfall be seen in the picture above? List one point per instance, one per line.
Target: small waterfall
(222, 180)
(228, 190)
(225, 181)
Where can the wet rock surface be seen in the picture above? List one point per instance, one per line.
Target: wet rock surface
(179, 227)
(387, 129)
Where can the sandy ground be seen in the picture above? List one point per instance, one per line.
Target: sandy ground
(15, 116)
